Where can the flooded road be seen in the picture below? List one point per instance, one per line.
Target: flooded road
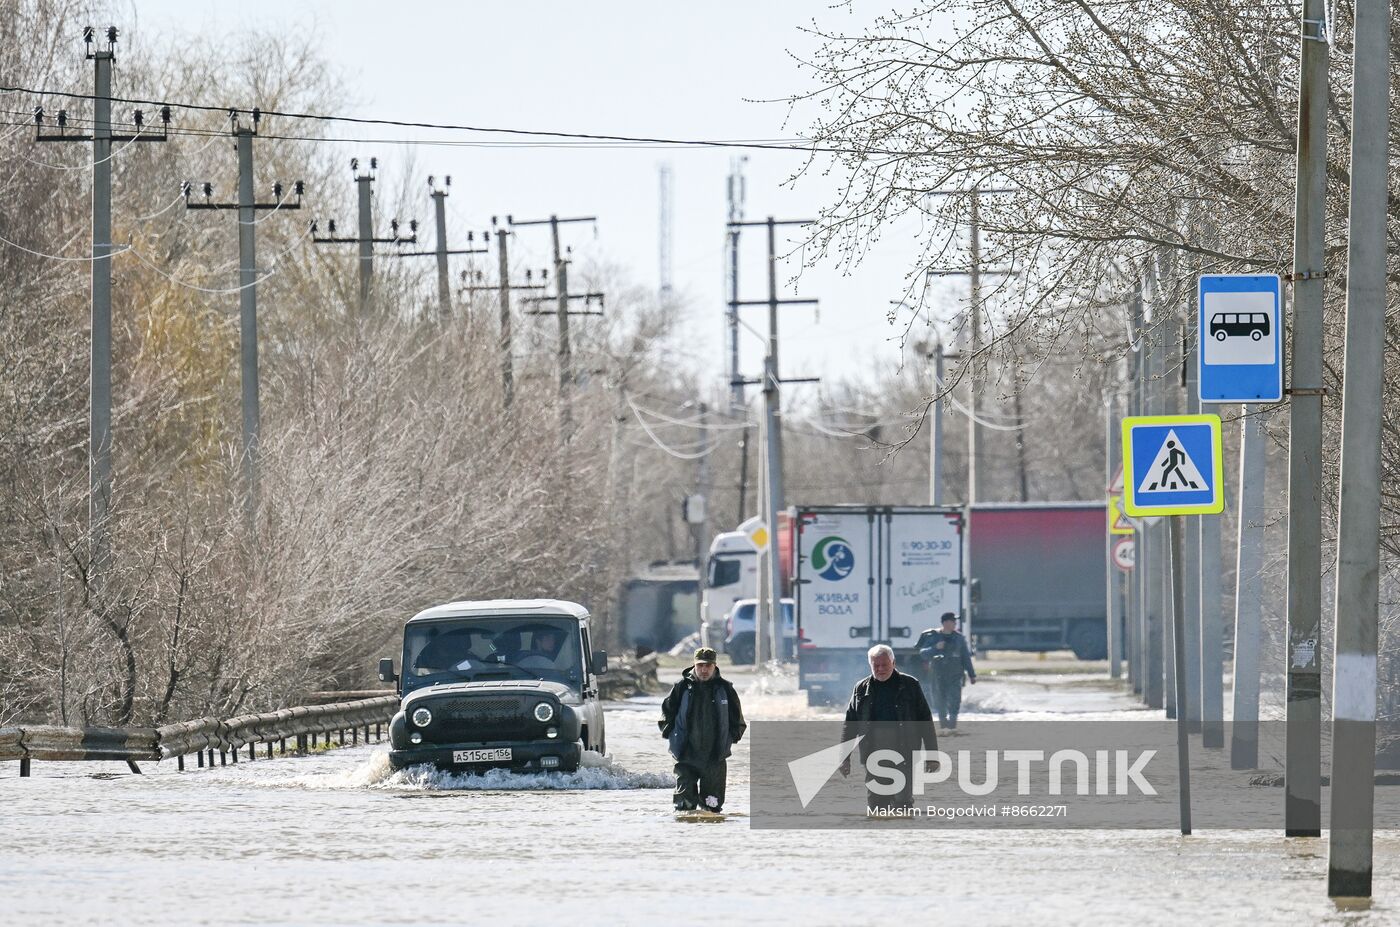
(339, 839)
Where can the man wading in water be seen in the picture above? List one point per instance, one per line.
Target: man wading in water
(702, 720)
(888, 712)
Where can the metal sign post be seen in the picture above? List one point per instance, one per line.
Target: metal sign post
(1172, 466)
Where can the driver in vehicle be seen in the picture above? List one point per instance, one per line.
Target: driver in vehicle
(545, 644)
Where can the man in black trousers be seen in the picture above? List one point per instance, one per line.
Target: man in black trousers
(950, 662)
(702, 720)
(888, 712)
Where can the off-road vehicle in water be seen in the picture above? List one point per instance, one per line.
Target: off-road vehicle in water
(507, 683)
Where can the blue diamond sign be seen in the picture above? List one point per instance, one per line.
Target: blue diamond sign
(1240, 331)
(1172, 465)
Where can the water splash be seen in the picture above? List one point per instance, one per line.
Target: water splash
(595, 772)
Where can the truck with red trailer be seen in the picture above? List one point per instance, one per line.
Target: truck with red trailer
(1037, 577)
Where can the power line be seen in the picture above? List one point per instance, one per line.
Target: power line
(778, 145)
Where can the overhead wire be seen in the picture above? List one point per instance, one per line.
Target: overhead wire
(695, 422)
(796, 144)
(61, 257)
(656, 439)
(220, 290)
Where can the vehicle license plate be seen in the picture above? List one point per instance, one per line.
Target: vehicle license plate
(481, 756)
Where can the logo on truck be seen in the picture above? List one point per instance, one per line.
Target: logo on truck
(833, 558)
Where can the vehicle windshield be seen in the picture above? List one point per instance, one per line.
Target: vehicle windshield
(521, 647)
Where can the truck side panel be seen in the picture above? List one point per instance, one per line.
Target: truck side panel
(868, 575)
(1040, 574)
(925, 572)
(836, 601)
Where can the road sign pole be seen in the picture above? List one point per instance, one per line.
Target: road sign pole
(1349, 857)
(1171, 467)
(1183, 691)
(1249, 593)
(1191, 563)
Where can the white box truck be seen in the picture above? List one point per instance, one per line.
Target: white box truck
(731, 575)
(869, 575)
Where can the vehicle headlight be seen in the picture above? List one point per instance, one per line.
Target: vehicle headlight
(415, 738)
(543, 712)
(422, 717)
(551, 732)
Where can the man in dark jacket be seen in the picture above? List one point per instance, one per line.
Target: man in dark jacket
(703, 720)
(950, 660)
(889, 712)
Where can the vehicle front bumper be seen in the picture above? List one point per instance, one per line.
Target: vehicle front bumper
(525, 756)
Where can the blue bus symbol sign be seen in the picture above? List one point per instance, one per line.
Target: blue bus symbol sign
(1240, 327)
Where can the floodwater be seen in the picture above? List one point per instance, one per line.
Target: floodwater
(338, 839)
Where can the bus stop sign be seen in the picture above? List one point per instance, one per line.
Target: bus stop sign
(1240, 338)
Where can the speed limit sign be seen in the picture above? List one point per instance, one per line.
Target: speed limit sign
(1124, 554)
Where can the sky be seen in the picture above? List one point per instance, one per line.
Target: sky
(622, 67)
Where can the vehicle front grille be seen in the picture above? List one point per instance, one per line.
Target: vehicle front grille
(476, 719)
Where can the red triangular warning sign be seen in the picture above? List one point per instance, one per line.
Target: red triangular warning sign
(1115, 486)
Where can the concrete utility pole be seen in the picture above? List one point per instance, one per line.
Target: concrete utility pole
(100, 382)
(441, 252)
(1353, 790)
(1249, 593)
(771, 496)
(702, 489)
(562, 313)
(976, 446)
(440, 225)
(1138, 619)
(743, 477)
(767, 628)
(737, 402)
(248, 207)
(1148, 556)
(1191, 563)
(503, 269)
(365, 239)
(503, 288)
(664, 230)
(1303, 762)
(366, 236)
(1171, 566)
(935, 433)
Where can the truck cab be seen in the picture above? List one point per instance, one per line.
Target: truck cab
(508, 683)
(731, 575)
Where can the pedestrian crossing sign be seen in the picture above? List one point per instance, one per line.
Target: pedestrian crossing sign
(1172, 465)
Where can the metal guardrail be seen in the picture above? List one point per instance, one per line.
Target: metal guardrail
(201, 737)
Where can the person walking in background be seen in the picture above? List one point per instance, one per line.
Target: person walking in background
(950, 662)
(702, 719)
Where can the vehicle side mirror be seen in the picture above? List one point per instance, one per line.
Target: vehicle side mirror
(386, 671)
(600, 662)
(974, 591)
